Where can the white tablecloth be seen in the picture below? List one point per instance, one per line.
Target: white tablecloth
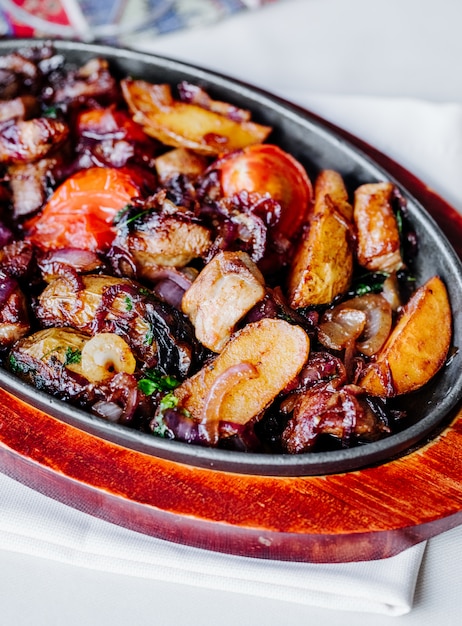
(368, 67)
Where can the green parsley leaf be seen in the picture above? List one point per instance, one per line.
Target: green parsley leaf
(72, 355)
(128, 303)
(154, 380)
(17, 367)
(119, 215)
(169, 401)
(159, 427)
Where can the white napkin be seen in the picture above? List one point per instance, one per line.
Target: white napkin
(424, 137)
(34, 524)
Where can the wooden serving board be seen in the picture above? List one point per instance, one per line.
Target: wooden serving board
(362, 515)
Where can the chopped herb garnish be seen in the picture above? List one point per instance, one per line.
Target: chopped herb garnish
(51, 111)
(369, 283)
(128, 303)
(133, 218)
(72, 356)
(169, 401)
(119, 215)
(155, 381)
(159, 427)
(399, 221)
(149, 337)
(17, 367)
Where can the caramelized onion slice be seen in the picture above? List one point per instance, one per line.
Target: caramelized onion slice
(340, 326)
(210, 418)
(366, 320)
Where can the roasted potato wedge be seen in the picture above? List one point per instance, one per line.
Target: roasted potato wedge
(273, 352)
(226, 289)
(378, 239)
(416, 348)
(323, 263)
(180, 161)
(185, 125)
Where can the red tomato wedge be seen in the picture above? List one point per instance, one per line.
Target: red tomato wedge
(266, 168)
(81, 211)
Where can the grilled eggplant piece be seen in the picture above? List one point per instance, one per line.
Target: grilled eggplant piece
(159, 335)
(160, 234)
(14, 317)
(50, 361)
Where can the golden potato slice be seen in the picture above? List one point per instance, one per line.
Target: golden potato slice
(185, 125)
(225, 290)
(378, 246)
(273, 349)
(417, 347)
(323, 263)
(180, 161)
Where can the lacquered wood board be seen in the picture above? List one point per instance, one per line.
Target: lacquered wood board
(366, 514)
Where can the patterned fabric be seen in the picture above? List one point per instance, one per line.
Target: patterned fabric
(113, 21)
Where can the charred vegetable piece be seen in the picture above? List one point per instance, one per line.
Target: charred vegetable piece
(108, 137)
(185, 125)
(93, 81)
(20, 108)
(14, 314)
(417, 347)
(17, 259)
(253, 368)
(158, 334)
(341, 413)
(379, 243)
(322, 268)
(50, 360)
(226, 289)
(29, 183)
(30, 140)
(16, 74)
(160, 234)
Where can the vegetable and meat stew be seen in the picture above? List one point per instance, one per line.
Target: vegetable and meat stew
(166, 266)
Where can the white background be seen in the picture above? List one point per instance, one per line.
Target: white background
(299, 48)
